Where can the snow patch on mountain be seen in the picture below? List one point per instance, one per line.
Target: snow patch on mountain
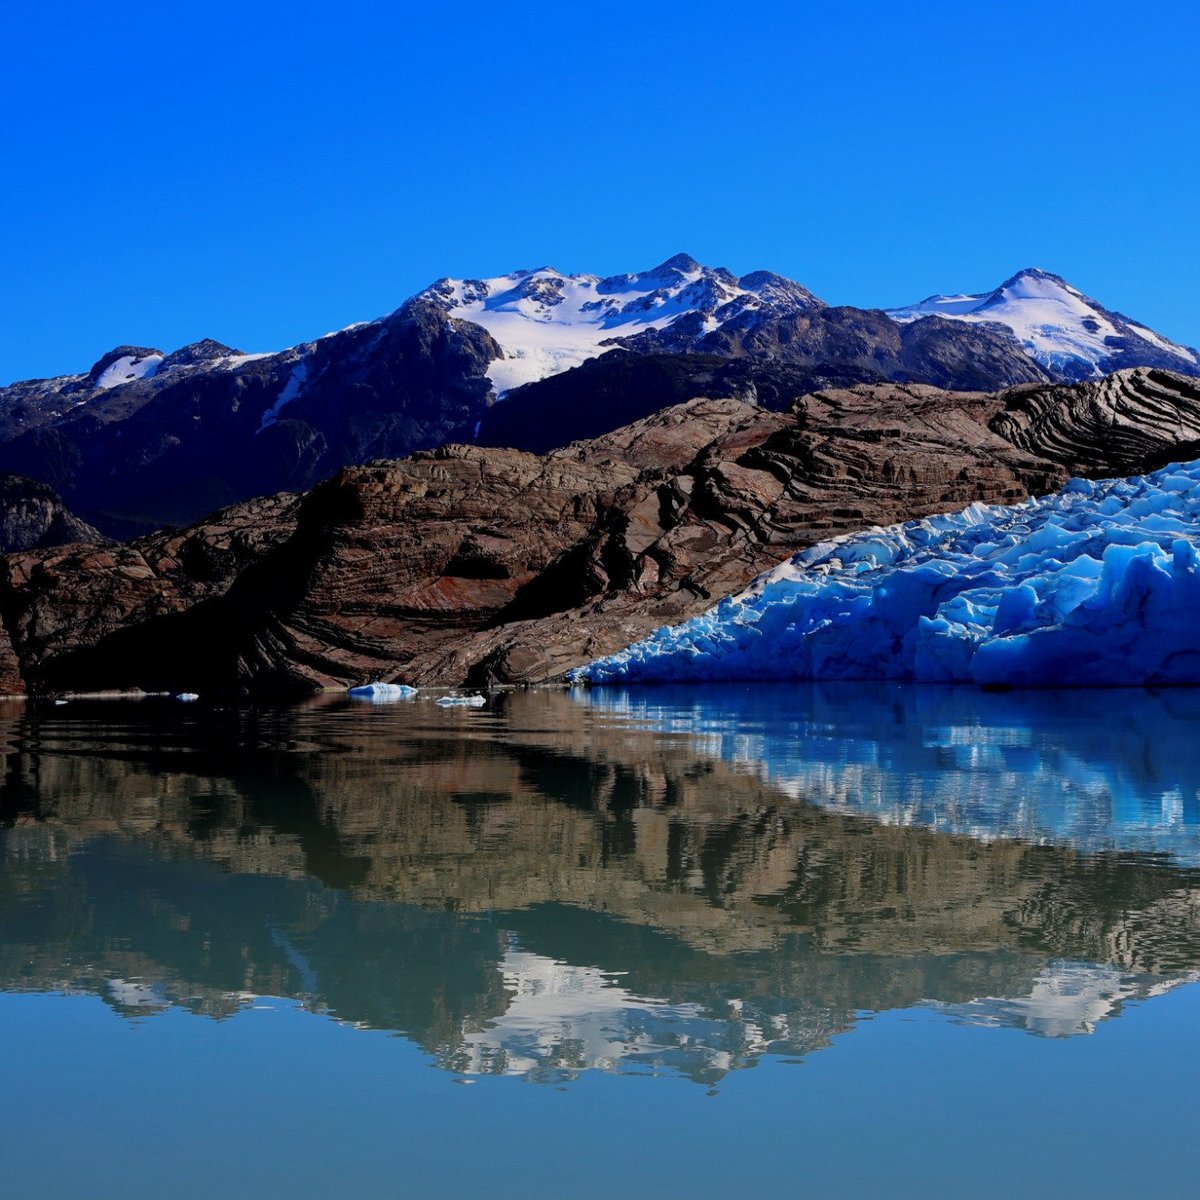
(547, 322)
(127, 368)
(1096, 585)
(287, 394)
(1056, 324)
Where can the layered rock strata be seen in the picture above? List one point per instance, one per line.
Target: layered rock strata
(477, 565)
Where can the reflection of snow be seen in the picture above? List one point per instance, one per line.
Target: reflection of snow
(1067, 998)
(126, 993)
(571, 1018)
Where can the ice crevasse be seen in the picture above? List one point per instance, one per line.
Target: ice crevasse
(1097, 584)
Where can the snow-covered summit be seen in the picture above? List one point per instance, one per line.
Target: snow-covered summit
(1065, 331)
(547, 322)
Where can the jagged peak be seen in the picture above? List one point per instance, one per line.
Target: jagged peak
(205, 350)
(685, 264)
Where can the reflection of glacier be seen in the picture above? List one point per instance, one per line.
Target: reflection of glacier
(676, 882)
(1097, 771)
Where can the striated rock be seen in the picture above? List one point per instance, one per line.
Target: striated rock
(1130, 422)
(71, 599)
(468, 564)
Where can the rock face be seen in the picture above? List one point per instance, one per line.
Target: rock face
(479, 565)
(75, 599)
(621, 387)
(33, 517)
(867, 346)
(1130, 421)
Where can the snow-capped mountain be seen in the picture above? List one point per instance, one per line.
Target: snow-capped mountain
(1069, 334)
(547, 322)
(147, 437)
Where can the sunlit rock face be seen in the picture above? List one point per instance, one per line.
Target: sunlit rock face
(1097, 584)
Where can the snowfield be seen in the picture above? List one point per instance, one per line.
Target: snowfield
(547, 322)
(1098, 584)
(1057, 325)
(127, 368)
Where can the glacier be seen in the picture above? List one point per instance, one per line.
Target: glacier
(1095, 585)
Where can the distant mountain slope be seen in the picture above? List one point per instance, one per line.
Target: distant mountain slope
(209, 426)
(1069, 334)
(146, 439)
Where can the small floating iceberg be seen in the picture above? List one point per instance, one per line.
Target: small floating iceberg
(187, 697)
(382, 693)
(475, 701)
(1095, 585)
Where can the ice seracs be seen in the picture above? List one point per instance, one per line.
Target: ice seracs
(1098, 584)
(1059, 327)
(547, 322)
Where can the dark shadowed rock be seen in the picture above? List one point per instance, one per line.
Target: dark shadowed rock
(33, 517)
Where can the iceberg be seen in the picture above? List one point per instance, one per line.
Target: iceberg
(475, 701)
(1095, 585)
(382, 693)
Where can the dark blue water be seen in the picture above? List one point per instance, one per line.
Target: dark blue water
(850, 941)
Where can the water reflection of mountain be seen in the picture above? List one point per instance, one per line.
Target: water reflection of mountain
(553, 885)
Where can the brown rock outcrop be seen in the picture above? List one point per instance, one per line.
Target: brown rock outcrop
(480, 565)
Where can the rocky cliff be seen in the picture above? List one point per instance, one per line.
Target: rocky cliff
(492, 565)
(33, 517)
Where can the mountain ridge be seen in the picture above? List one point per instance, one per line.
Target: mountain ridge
(146, 439)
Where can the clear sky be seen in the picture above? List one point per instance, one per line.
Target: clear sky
(263, 173)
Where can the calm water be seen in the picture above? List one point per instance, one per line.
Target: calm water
(791, 940)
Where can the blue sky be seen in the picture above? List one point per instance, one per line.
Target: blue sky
(263, 173)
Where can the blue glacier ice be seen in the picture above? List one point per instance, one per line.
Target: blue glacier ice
(1097, 584)
(382, 693)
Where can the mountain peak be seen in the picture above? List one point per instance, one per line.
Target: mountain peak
(547, 322)
(205, 350)
(1035, 277)
(685, 264)
(1058, 326)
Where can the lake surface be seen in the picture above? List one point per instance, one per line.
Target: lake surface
(801, 940)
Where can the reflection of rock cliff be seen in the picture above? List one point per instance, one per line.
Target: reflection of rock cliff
(622, 897)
